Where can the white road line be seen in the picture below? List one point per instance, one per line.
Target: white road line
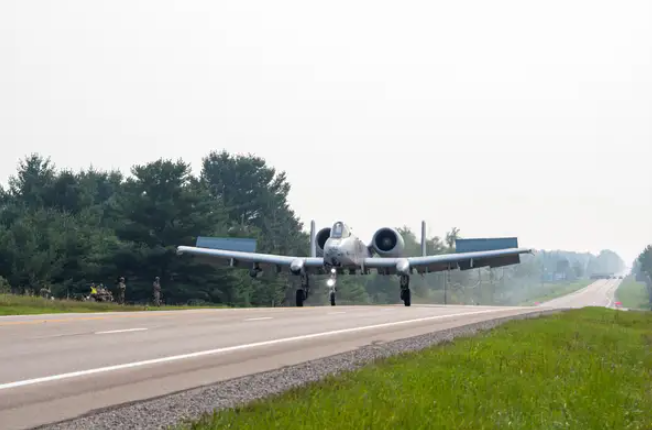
(50, 336)
(336, 313)
(230, 349)
(259, 319)
(127, 330)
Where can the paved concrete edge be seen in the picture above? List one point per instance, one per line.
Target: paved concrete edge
(177, 407)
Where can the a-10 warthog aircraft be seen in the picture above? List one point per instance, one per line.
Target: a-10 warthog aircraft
(336, 251)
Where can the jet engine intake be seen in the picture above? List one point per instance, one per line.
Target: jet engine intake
(320, 240)
(387, 242)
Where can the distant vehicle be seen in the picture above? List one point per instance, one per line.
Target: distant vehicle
(335, 250)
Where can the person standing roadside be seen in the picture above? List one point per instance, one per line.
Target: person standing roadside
(157, 291)
(122, 288)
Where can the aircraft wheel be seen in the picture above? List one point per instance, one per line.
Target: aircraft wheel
(407, 297)
(332, 298)
(300, 297)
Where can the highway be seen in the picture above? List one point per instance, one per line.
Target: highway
(56, 367)
(599, 293)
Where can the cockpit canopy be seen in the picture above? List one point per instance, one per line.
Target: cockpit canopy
(340, 230)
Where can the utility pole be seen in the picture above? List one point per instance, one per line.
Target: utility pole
(502, 283)
(649, 288)
(313, 245)
(424, 247)
(491, 282)
(448, 279)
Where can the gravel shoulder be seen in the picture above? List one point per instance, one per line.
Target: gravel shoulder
(171, 410)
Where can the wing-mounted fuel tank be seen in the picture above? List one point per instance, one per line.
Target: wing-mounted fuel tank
(320, 240)
(387, 242)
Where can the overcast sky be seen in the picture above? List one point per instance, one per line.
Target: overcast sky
(519, 118)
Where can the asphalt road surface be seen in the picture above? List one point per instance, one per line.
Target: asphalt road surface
(56, 367)
(599, 293)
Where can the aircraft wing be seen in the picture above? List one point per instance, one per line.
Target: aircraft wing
(236, 258)
(458, 260)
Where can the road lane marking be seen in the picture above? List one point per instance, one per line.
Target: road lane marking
(51, 336)
(259, 319)
(336, 313)
(126, 330)
(148, 314)
(228, 349)
(74, 319)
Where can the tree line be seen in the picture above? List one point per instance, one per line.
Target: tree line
(63, 230)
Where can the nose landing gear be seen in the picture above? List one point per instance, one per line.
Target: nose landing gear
(332, 288)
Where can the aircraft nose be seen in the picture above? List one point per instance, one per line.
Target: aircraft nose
(332, 255)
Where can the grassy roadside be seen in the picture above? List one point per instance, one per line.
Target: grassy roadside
(583, 369)
(633, 294)
(552, 291)
(12, 304)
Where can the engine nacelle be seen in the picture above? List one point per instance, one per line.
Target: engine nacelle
(320, 240)
(387, 242)
(297, 267)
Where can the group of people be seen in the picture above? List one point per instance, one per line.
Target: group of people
(101, 293)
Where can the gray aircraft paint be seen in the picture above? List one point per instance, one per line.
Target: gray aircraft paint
(349, 252)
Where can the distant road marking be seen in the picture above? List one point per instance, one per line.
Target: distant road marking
(259, 319)
(232, 349)
(127, 330)
(335, 313)
(146, 314)
(50, 336)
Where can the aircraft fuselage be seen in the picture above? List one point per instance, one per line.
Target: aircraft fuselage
(345, 252)
(342, 250)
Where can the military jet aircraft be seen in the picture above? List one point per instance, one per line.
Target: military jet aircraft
(336, 250)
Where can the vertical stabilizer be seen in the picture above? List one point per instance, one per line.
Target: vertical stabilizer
(313, 244)
(424, 249)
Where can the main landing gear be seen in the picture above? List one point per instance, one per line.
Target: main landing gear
(331, 286)
(302, 293)
(406, 294)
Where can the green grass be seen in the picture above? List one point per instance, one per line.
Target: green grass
(552, 291)
(633, 295)
(12, 304)
(582, 369)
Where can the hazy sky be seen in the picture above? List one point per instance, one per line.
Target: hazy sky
(501, 118)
